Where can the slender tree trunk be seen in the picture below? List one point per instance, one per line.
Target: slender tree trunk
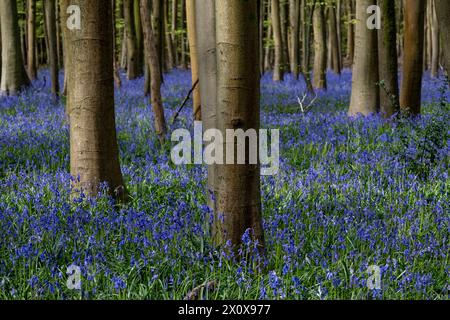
(334, 40)
(155, 76)
(410, 98)
(170, 61)
(320, 50)
(276, 26)
(158, 31)
(388, 66)
(443, 18)
(132, 49)
(206, 51)
(50, 19)
(191, 29)
(294, 15)
(94, 154)
(139, 36)
(174, 26)
(350, 33)
(434, 41)
(183, 37)
(14, 76)
(239, 194)
(365, 90)
(284, 19)
(117, 79)
(31, 39)
(268, 47)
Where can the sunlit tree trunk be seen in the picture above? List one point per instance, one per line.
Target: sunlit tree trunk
(435, 45)
(153, 62)
(191, 28)
(365, 90)
(388, 66)
(14, 76)
(320, 50)
(294, 15)
(206, 54)
(31, 39)
(238, 86)
(94, 154)
(410, 97)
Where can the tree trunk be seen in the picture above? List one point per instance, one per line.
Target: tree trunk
(334, 40)
(239, 195)
(206, 51)
(388, 66)
(94, 154)
(170, 61)
(174, 27)
(350, 34)
(139, 42)
(443, 17)
(410, 99)
(191, 29)
(365, 90)
(14, 76)
(434, 40)
(31, 39)
(158, 31)
(50, 20)
(155, 73)
(294, 12)
(320, 50)
(276, 26)
(183, 37)
(132, 50)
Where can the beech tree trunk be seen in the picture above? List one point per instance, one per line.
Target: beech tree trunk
(206, 53)
(94, 154)
(294, 15)
(31, 39)
(443, 17)
(132, 49)
(14, 76)
(434, 67)
(155, 73)
(50, 21)
(350, 33)
(388, 65)
(365, 89)
(191, 29)
(320, 50)
(411, 93)
(334, 40)
(239, 194)
(276, 27)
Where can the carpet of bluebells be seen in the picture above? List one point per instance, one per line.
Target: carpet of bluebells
(351, 193)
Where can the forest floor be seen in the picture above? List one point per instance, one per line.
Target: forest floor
(352, 195)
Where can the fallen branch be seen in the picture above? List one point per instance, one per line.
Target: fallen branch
(185, 101)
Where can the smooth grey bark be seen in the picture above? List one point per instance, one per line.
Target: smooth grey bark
(14, 76)
(207, 71)
(238, 95)
(365, 90)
